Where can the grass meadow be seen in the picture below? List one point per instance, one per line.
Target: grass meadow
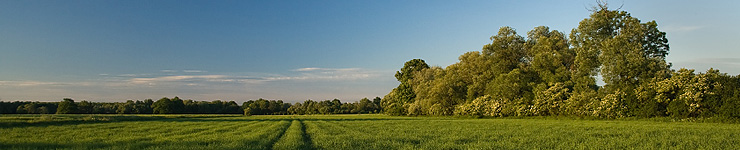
(354, 132)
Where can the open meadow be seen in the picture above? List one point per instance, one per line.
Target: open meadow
(354, 132)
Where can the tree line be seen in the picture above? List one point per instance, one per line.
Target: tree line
(179, 106)
(548, 73)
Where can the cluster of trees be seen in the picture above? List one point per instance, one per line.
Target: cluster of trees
(265, 107)
(28, 107)
(309, 107)
(547, 73)
(68, 106)
(148, 106)
(335, 106)
(178, 106)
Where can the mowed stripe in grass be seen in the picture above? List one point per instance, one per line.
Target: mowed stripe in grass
(294, 138)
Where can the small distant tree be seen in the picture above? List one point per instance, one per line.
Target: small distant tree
(43, 110)
(85, 107)
(365, 106)
(178, 106)
(163, 106)
(29, 108)
(125, 108)
(376, 101)
(67, 106)
(247, 111)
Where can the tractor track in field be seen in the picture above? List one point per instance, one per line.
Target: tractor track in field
(305, 137)
(282, 132)
(308, 143)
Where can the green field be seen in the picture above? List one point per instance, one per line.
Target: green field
(354, 132)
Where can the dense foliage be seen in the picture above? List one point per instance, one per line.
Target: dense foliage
(335, 106)
(547, 73)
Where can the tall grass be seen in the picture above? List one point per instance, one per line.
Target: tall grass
(360, 132)
(180, 133)
(439, 133)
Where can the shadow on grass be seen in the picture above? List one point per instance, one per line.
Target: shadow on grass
(134, 145)
(85, 119)
(89, 119)
(285, 119)
(34, 146)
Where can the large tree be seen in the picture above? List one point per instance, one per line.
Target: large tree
(396, 102)
(626, 53)
(551, 60)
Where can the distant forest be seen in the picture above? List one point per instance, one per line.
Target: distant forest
(179, 106)
(549, 74)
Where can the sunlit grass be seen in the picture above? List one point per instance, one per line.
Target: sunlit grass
(425, 133)
(180, 133)
(294, 138)
(359, 132)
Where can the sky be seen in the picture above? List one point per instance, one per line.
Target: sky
(294, 50)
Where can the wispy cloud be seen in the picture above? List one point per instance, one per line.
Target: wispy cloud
(191, 79)
(331, 74)
(185, 71)
(326, 69)
(128, 75)
(303, 74)
(307, 69)
(32, 84)
(193, 71)
(28, 83)
(296, 84)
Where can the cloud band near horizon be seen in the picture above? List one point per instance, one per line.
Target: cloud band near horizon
(297, 85)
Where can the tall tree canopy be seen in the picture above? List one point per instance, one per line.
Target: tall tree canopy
(547, 73)
(396, 102)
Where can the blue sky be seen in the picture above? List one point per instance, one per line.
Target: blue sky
(293, 50)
